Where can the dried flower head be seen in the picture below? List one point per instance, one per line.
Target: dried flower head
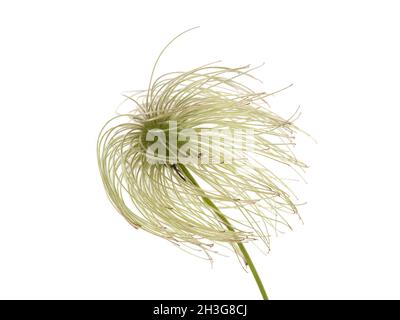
(192, 163)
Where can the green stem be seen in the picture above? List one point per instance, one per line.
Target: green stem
(223, 218)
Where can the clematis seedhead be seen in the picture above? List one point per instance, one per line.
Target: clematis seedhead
(207, 122)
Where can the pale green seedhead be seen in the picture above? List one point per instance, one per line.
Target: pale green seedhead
(192, 162)
(155, 197)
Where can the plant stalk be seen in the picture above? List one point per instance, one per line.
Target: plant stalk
(224, 219)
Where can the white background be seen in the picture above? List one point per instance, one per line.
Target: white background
(63, 66)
